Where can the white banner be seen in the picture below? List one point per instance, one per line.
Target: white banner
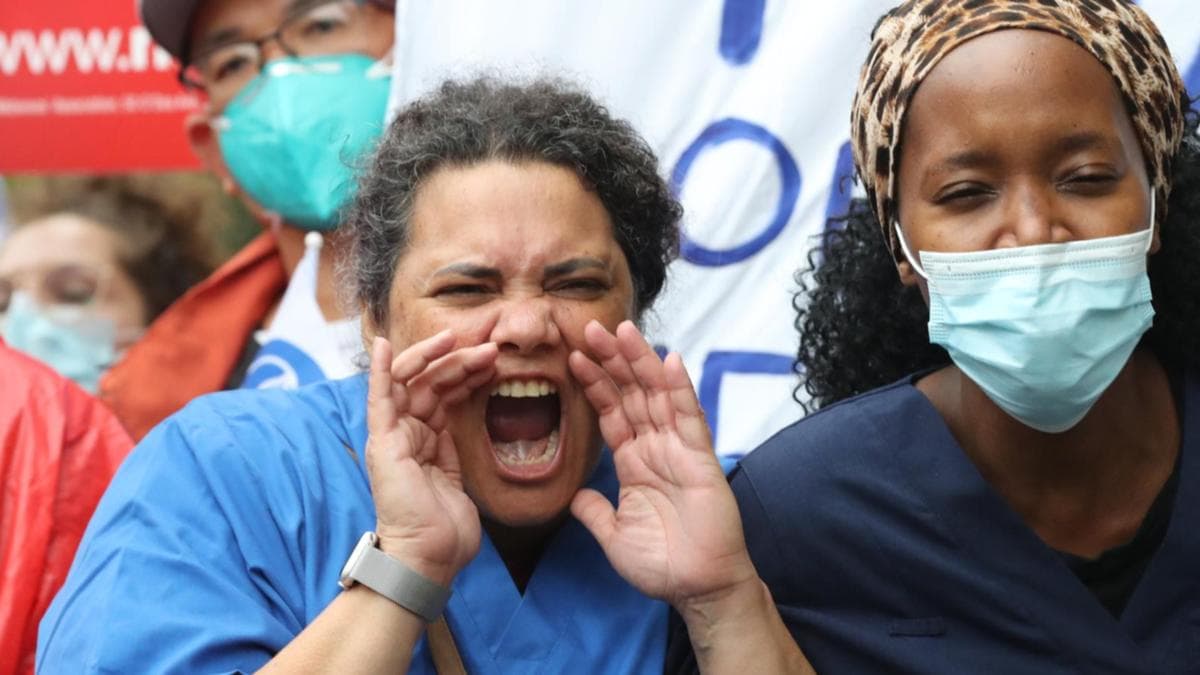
(747, 104)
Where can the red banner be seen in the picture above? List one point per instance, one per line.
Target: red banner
(84, 88)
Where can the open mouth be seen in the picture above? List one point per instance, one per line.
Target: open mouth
(523, 419)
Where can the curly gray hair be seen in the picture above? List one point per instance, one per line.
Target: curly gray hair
(469, 122)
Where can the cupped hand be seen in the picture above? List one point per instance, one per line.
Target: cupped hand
(424, 519)
(675, 533)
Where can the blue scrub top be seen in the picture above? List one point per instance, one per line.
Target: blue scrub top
(223, 534)
(888, 552)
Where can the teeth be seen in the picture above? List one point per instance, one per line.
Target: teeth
(525, 388)
(518, 453)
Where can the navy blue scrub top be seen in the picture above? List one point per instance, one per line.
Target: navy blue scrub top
(887, 552)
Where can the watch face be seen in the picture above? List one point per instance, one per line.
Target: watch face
(367, 541)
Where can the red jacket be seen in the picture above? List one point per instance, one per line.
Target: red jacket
(193, 347)
(58, 449)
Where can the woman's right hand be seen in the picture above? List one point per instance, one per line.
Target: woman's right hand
(424, 519)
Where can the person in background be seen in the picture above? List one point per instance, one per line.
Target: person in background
(55, 440)
(296, 91)
(81, 280)
(1004, 476)
(82, 272)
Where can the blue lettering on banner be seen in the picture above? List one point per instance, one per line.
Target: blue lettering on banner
(741, 34)
(281, 365)
(741, 30)
(722, 131)
(718, 364)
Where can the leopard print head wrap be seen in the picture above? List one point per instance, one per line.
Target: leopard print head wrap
(910, 40)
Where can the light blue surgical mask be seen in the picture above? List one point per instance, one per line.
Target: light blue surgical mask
(73, 341)
(294, 135)
(1045, 329)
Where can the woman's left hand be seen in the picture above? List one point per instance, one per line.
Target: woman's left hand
(676, 533)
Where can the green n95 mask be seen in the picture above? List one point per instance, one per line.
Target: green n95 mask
(293, 136)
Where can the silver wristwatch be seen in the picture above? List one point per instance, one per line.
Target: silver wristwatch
(390, 578)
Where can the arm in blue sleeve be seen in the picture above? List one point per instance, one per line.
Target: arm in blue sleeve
(168, 577)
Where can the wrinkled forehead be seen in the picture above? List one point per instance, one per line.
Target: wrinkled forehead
(519, 215)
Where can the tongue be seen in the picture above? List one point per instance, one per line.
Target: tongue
(514, 419)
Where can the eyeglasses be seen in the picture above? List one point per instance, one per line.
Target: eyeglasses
(69, 284)
(315, 28)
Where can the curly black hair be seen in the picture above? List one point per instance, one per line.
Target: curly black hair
(861, 329)
(547, 120)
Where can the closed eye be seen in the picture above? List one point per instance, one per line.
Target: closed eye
(1092, 183)
(462, 290)
(585, 288)
(961, 194)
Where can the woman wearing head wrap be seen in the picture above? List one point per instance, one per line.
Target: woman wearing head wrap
(1021, 500)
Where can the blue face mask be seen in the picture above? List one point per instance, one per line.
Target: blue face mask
(293, 137)
(71, 340)
(1043, 330)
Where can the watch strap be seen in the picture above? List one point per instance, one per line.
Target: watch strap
(395, 581)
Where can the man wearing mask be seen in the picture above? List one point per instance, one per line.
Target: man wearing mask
(296, 96)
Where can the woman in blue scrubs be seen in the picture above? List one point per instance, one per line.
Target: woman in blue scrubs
(1004, 473)
(503, 241)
